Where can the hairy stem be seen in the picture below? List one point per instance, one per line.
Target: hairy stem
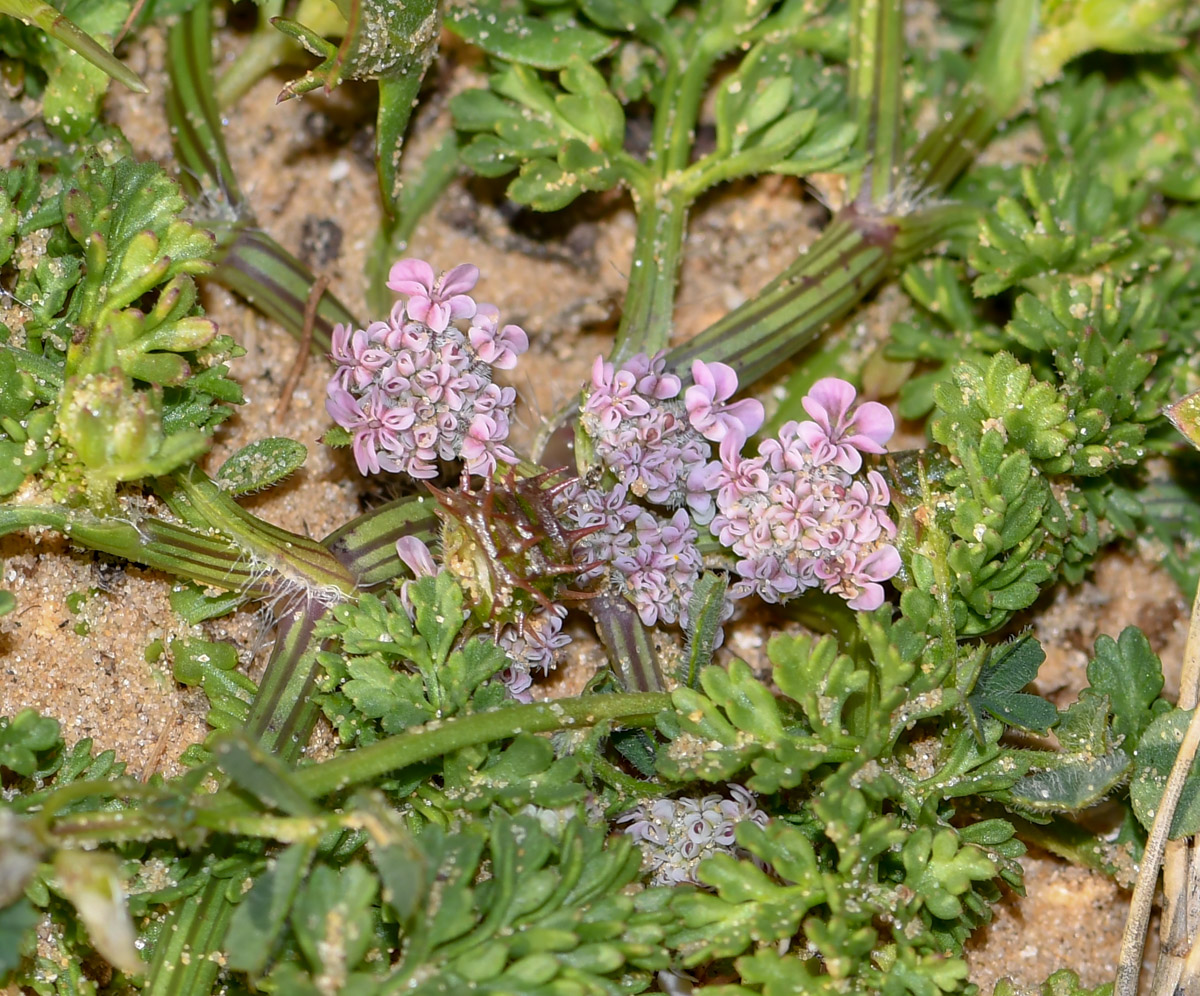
(177, 549)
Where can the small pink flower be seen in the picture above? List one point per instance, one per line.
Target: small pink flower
(499, 349)
(837, 436)
(651, 380)
(881, 565)
(705, 400)
(343, 407)
(416, 557)
(435, 303)
(614, 395)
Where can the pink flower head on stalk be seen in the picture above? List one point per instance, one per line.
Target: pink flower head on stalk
(797, 516)
(835, 435)
(416, 390)
(431, 302)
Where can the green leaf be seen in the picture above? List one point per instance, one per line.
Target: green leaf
(23, 738)
(1061, 983)
(260, 464)
(522, 38)
(1128, 672)
(1071, 785)
(705, 610)
(998, 690)
(1156, 753)
(821, 680)
(261, 774)
(17, 937)
(75, 84)
(259, 918)
(939, 869)
(194, 605)
(332, 918)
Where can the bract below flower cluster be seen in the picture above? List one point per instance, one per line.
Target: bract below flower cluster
(416, 389)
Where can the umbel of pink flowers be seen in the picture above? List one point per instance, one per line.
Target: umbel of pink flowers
(799, 515)
(417, 388)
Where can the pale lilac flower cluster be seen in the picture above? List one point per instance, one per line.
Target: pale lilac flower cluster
(677, 834)
(416, 389)
(652, 559)
(655, 442)
(797, 515)
(531, 645)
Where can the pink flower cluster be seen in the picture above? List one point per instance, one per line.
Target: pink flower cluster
(652, 558)
(655, 442)
(797, 515)
(416, 389)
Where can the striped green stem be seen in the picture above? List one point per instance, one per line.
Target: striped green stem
(649, 310)
(249, 262)
(253, 265)
(194, 118)
(284, 712)
(367, 545)
(297, 561)
(627, 641)
(876, 61)
(852, 255)
(179, 550)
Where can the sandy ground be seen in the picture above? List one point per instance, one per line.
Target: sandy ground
(306, 166)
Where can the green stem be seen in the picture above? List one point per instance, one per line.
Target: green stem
(258, 268)
(367, 545)
(675, 130)
(178, 550)
(852, 255)
(823, 285)
(876, 60)
(649, 309)
(437, 738)
(267, 48)
(283, 713)
(627, 641)
(180, 965)
(61, 28)
(661, 203)
(417, 197)
(297, 560)
(194, 117)
(1002, 78)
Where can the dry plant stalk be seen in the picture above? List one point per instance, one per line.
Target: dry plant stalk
(1178, 967)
